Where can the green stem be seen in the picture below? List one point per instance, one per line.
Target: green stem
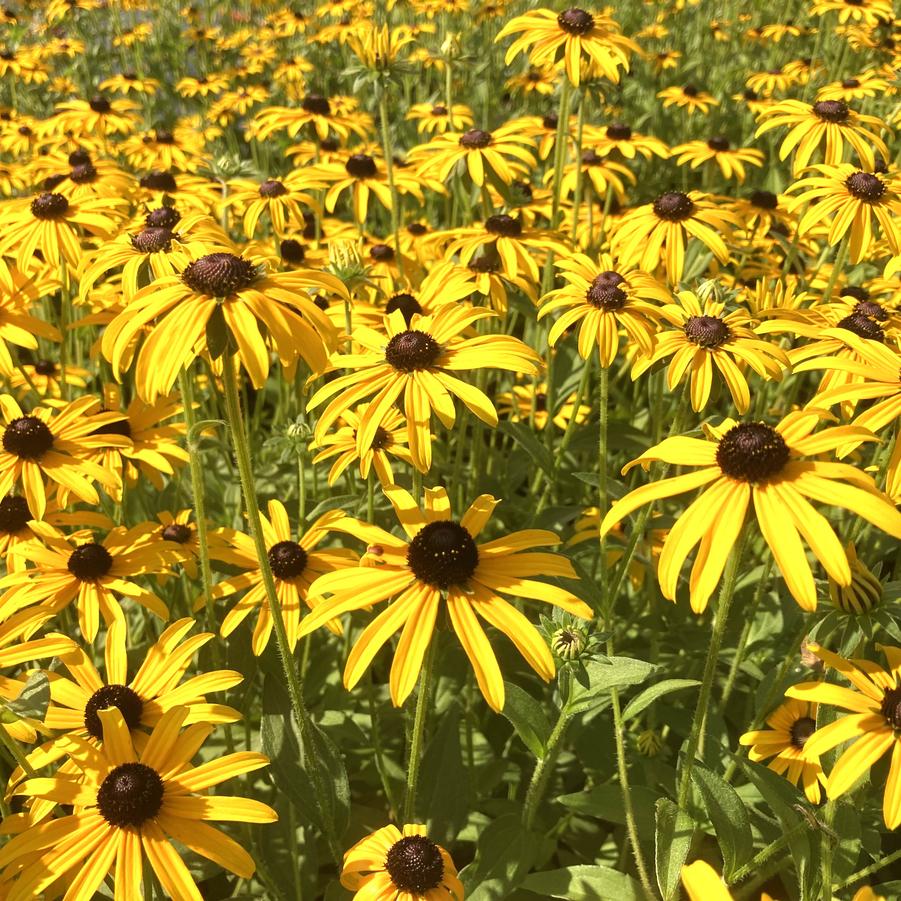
(875, 867)
(389, 167)
(628, 806)
(543, 769)
(416, 737)
(754, 865)
(186, 386)
(838, 265)
(827, 849)
(560, 147)
(696, 736)
(12, 746)
(603, 420)
(248, 490)
(577, 192)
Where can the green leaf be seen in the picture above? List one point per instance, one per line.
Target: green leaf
(337, 502)
(444, 794)
(525, 438)
(217, 334)
(729, 818)
(282, 742)
(528, 718)
(606, 803)
(653, 692)
(674, 833)
(32, 702)
(616, 672)
(504, 855)
(583, 883)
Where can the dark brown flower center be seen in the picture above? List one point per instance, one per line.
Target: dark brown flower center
(575, 21)
(162, 217)
(89, 562)
(164, 136)
(272, 188)
(706, 331)
(891, 707)
(439, 110)
(718, 144)
(381, 253)
(27, 437)
(414, 864)
(158, 180)
(45, 367)
(764, 200)
(850, 83)
(858, 292)
(605, 293)
(503, 225)
(14, 514)
(52, 182)
(443, 554)
(287, 559)
(690, 90)
(863, 327)
(801, 729)
(871, 310)
(79, 157)
(412, 350)
(177, 532)
(550, 121)
(674, 206)
(619, 131)
(120, 696)
(99, 104)
(475, 139)
(752, 452)
(292, 251)
(316, 104)
(866, 187)
(406, 303)
(590, 157)
(831, 110)
(153, 240)
(117, 427)
(219, 274)
(83, 174)
(748, 94)
(361, 166)
(130, 795)
(49, 206)
(417, 229)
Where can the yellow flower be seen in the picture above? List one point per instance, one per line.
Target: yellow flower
(128, 804)
(441, 561)
(753, 461)
(873, 725)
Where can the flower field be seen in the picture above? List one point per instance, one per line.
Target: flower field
(450, 450)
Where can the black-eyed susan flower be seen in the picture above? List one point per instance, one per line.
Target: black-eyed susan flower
(322, 114)
(657, 232)
(442, 562)
(754, 461)
(602, 297)
(128, 804)
(826, 123)
(852, 198)
(704, 339)
(790, 725)
(419, 363)
(295, 566)
(97, 116)
(362, 176)
(181, 148)
(51, 224)
(432, 118)
(506, 238)
(689, 97)
(539, 80)
(53, 445)
(857, 87)
(390, 863)
(573, 36)
(867, 12)
(279, 203)
(90, 573)
(238, 297)
(390, 441)
(506, 152)
(17, 324)
(731, 160)
(874, 703)
(619, 138)
(529, 403)
(601, 172)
